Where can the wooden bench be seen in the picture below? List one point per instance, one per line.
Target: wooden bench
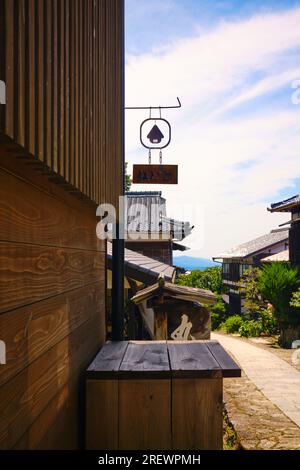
(157, 395)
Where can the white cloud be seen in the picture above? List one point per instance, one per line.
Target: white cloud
(230, 166)
(264, 86)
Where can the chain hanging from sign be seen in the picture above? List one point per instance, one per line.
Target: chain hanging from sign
(155, 134)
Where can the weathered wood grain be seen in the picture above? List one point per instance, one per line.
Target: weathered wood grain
(160, 401)
(145, 360)
(144, 414)
(62, 61)
(31, 215)
(102, 427)
(227, 365)
(30, 331)
(161, 325)
(20, 61)
(108, 361)
(59, 418)
(65, 93)
(48, 110)
(197, 420)
(55, 69)
(23, 398)
(40, 335)
(40, 91)
(192, 359)
(10, 67)
(29, 273)
(2, 57)
(31, 84)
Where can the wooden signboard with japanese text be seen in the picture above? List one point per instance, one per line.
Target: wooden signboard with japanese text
(155, 174)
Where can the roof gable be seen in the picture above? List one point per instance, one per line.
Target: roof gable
(201, 296)
(286, 205)
(255, 246)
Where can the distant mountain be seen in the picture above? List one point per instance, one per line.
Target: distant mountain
(189, 262)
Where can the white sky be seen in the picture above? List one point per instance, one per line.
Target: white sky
(237, 137)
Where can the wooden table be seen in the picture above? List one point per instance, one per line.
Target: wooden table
(157, 395)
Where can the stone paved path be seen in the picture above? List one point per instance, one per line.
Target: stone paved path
(259, 424)
(275, 378)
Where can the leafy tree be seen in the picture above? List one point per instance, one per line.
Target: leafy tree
(249, 287)
(128, 180)
(277, 282)
(209, 278)
(295, 302)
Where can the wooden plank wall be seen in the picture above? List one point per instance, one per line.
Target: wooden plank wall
(161, 251)
(62, 62)
(52, 306)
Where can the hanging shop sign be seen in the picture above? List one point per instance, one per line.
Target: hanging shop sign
(155, 174)
(155, 134)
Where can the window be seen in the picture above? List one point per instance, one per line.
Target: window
(243, 268)
(225, 271)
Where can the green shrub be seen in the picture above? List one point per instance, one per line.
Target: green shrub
(295, 302)
(277, 282)
(251, 328)
(232, 324)
(268, 322)
(249, 287)
(209, 278)
(218, 313)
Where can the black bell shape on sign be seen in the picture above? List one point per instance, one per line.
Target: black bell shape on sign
(155, 135)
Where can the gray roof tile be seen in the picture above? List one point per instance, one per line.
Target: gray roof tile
(285, 205)
(140, 263)
(146, 212)
(256, 245)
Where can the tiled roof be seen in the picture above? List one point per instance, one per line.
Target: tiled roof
(282, 256)
(194, 294)
(256, 245)
(142, 268)
(146, 212)
(179, 247)
(143, 193)
(286, 205)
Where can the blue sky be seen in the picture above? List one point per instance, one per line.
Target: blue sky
(237, 138)
(149, 23)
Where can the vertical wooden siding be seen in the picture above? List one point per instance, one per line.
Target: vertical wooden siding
(52, 306)
(62, 61)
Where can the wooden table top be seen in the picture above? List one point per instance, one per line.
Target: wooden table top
(162, 359)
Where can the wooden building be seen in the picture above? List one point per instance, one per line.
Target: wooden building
(139, 271)
(148, 230)
(175, 312)
(61, 147)
(291, 205)
(240, 258)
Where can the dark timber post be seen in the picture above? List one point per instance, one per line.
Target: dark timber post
(118, 285)
(118, 241)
